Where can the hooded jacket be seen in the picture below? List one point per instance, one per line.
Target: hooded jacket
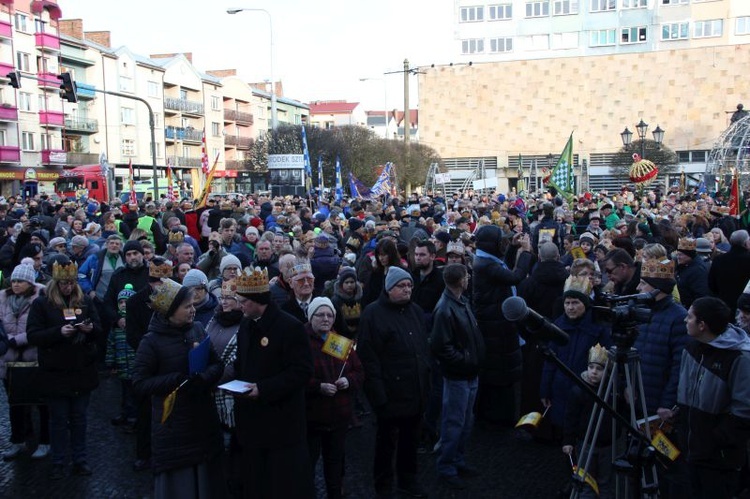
(714, 400)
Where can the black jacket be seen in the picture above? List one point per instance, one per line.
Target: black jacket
(191, 434)
(138, 278)
(692, 281)
(67, 366)
(543, 289)
(273, 352)
(456, 340)
(393, 349)
(138, 314)
(427, 291)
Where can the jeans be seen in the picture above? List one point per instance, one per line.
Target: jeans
(456, 424)
(67, 424)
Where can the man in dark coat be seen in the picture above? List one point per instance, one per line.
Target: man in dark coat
(623, 271)
(274, 358)
(134, 272)
(730, 271)
(493, 283)
(393, 349)
(691, 273)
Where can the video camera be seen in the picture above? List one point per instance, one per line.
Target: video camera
(625, 313)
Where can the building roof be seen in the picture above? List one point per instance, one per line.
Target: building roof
(332, 107)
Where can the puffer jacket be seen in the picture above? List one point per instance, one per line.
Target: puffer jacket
(192, 433)
(692, 281)
(393, 349)
(325, 266)
(660, 344)
(14, 326)
(456, 340)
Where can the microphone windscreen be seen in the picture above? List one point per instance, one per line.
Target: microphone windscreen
(514, 308)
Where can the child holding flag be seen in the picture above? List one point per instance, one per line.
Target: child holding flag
(337, 376)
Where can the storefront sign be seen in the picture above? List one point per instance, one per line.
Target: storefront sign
(286, 161)
(29, 174)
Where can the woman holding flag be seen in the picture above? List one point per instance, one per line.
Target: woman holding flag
(337, 376)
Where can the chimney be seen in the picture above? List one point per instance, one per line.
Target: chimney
(100, 37)
(222, 73)
(71, 27)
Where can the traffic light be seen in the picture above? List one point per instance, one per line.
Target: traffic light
(68, 90)
(15, 79)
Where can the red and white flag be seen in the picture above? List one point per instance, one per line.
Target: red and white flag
(204, 155)
(133, 197)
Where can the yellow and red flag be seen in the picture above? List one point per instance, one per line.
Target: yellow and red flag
(203, 199)
(338, 346)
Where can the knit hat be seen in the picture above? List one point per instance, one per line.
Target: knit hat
(229, 261)
(24, 272)
(132, 246)
(126, 293)
(80, 241)
(322, 241)
(578, 287)
(396, 275)
(355, 223)
(40, 235)
(587, 237)
(320, 301)
(194, 278)
(703, 245)
(443, 237)
(345, 273)
(252, 229)
(56, 240)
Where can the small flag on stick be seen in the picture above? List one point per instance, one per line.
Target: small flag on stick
(169, 400)
(337, 346)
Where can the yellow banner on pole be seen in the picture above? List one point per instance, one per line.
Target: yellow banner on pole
(337, 346)
(203, 199)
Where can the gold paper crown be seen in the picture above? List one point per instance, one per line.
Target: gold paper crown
(298, 269)
(579, 284)
(456, 247)
(67, 272)
(352, 312)
(598, 355)
(252, 281)
(164, 295)
(394, 225)
(686, 244)
(657, 269)
(176, 237)
(165, 270)
(229, 288)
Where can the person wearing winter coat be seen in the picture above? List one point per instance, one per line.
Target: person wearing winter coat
(691, 273)
(64, 325)
(713, 399)
(186, 442)
(347, 298)
(324, 262)
(205, 302)
(15, 304)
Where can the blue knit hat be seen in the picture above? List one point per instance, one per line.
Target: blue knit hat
(396, 275)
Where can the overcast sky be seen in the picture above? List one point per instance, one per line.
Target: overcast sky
(321, 47)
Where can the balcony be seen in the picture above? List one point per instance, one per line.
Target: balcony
(81, 125)
(10, 154)
(81, 158)
(238, 116)
(47, 41)
(54, 157)
(85, 91)
(188, 162)
(54, 119)
(184, 134)
(6, 30)
(8, 112)
(241, 164)
(5, 68)
(239, 142)
(183, 106)
(50, 81)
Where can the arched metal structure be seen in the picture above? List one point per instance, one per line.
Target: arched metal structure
(731, 151)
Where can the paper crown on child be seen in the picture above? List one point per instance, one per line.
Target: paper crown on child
(253, 281)
(67, 272)
(578, 287)
(598, 355)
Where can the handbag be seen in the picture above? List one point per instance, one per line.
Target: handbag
(23, 387)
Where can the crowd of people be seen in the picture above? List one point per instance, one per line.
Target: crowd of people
(417, 283)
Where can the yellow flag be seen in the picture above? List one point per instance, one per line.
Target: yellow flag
(587, 478)
(168, 405)
(531, 419)
(337, 346)
(664, 445)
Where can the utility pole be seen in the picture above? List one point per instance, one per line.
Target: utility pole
(407, 123)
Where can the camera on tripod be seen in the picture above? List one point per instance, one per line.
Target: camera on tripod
(625, 313)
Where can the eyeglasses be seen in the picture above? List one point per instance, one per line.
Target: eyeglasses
(404, 285)
(323, 316)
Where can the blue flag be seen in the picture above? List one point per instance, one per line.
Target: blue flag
(320, 175)
(357, 188)
(383, 184)
(306, 154)
(339, 186)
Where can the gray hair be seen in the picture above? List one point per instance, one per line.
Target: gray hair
(739, 238)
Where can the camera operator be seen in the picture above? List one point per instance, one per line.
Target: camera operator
(623, 271)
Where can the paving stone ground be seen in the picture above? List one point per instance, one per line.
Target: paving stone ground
(511, 463)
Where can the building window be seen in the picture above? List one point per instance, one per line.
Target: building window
(215, 103)
(24, 101)
(501, 45)
(603, 5)
(215, 129)
(42, 102)
(635, 34)
(472, 46)
(500, 12)
(565, 40)
(157, 119)
(126, 84)
(22, 62)
(46, 142)
(183, 94)
(634, 4)
(674, 2)
(692, 156)
(3, 138)
(154, 89)
(564, 7)
(127, 116)
(27, 141)
(40, 26)
(472, 14)
(537, 42)
(185, 151)
(743, 26)
(127, 147)
(675, 31)
(539, 8)
(602, 37)
(707, 29)
(43, 65)
(21, 23)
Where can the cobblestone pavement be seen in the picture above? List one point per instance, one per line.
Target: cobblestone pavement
(511, 463)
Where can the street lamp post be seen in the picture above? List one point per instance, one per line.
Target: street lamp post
(385, 102)
(642, 127)
(274, 121)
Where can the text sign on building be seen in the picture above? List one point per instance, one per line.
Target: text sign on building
(58, 157)
(286, 161)
(442, 178)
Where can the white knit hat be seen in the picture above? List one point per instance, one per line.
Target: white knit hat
(318, 302)
(24, 272)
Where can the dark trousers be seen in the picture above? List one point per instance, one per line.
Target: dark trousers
(22, 424)
(280, 473)
(396, 436)
(143, 429)
(332, 444)
(128, 400)
(67, 423)
(709, 483)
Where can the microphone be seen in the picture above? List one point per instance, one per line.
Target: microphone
(516, 310)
